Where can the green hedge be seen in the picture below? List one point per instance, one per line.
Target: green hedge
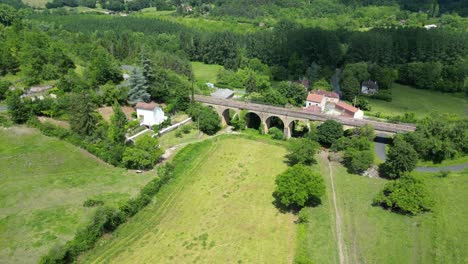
(107, 219)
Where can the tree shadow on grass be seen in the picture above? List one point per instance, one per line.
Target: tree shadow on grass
(294, 208)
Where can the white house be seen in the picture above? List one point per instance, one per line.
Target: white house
(431, 26)
(150, 114)
(316, 100)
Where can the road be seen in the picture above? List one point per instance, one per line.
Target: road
(381, 152)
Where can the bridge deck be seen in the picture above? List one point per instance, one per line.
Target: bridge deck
(381, 126)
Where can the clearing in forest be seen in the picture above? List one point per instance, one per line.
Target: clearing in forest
(43, 184)
(218, 210)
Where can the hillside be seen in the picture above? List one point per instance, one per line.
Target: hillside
(43, 185)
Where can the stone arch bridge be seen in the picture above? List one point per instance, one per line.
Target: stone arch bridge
(288, 116)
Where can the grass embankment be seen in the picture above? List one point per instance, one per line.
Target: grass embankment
(43, 184)
(218, 209)
(374, 235)
(420, 102)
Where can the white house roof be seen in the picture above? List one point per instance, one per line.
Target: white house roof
(146, 106)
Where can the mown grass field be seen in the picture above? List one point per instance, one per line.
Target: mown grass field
(43, 184)
(205, 72)
(420, 102)
(218, 210)
(374, 235)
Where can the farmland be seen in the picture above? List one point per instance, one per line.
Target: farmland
(43, 184)
(218, 209)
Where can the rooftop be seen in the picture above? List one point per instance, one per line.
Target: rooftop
(326, 93)
(313, 109)
(223, 93)
(312, 97)
(346, 107)
(146, 106)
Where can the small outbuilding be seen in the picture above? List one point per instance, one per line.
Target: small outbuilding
(223, 93)
(150, 114)
(369, 87)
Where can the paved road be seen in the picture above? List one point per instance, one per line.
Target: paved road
(380, 151)
(458, 167)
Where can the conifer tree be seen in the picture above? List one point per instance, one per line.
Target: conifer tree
(138, 88)
(117, 125)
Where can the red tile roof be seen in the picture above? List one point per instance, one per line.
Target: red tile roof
(312, 97)
(146, 106)
(313, 109)
(346, 107)
(326, 94)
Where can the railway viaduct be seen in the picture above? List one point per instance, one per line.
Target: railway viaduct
(288, 116)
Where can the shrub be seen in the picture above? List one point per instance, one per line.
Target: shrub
(207, 119)
(302, 151)
(178, 133)
(357, 161)
(401, 159)
(298, 186)
(186, 129)
(276, 133)
(407, 195)
(303, 216)
(329, 132)
(92, 203)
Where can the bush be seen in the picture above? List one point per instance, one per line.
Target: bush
(329, 132)
(298, 186)
(407, 195)
(401, 159)
(178, 133)
(357, 161)
(92, 203)
(303, 216)
(186, 129)
(207, 119)
(302, 151)
(276, 133)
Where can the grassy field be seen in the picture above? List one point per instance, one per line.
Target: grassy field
(374, 235)
(206, 72)
(201, 23)
(43, 184)
(218, 210)
(36, 3)
(420, 102)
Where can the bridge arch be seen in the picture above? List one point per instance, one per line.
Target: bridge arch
(253, 120)
(227, 114)
(274, 121)
(298, 128)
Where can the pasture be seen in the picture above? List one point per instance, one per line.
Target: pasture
(43, 184)
(420, 102)
(218, 209)
(206, 72)
(374, 235)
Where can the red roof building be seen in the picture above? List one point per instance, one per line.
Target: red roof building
(326, 94)
(316, 98)
(312, 109)
(146, 106)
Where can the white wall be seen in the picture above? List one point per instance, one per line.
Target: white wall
(150, 118)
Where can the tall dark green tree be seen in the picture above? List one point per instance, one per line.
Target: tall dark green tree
(329, 132)
(118, 122)
(82, 115)
(138, 88)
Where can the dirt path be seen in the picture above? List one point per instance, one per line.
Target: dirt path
(339, 235)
